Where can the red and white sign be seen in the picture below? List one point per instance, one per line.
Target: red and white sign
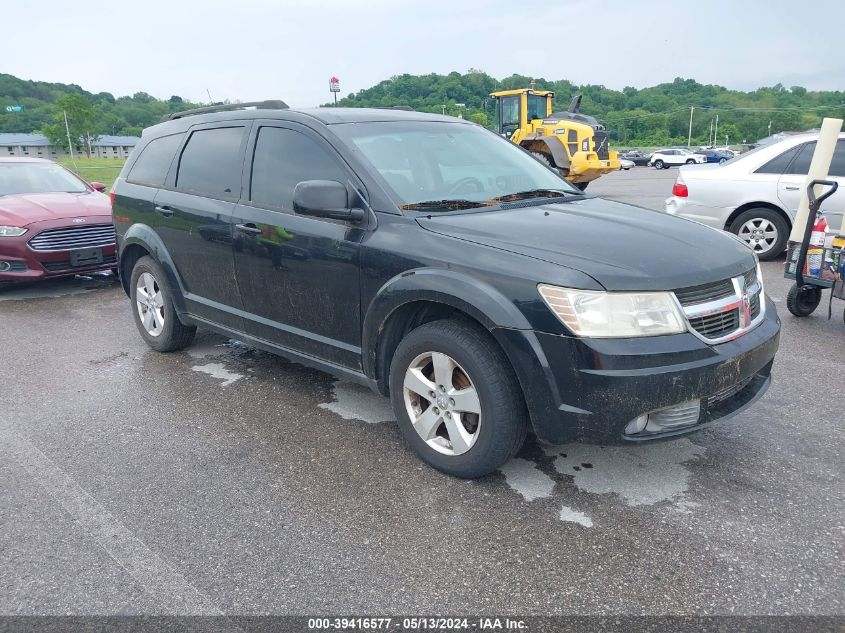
(334, 84)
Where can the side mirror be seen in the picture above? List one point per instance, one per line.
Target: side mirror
(325, 199)
(97, 186)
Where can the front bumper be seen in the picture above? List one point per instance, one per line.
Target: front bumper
(19, 262)
(590, 389)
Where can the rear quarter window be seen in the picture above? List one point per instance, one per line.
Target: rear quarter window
(153, 163)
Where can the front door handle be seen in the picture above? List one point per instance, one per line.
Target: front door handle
(248, 228)
(792, 187)
(165, 211)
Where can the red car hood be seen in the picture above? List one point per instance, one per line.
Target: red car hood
(24, 209)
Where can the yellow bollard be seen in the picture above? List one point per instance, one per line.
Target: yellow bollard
(819, 166)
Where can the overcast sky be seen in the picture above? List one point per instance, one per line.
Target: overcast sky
(257, 49)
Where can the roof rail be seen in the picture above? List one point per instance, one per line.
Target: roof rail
(407, 108)
(273, 104)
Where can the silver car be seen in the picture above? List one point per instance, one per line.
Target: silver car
(756, 194)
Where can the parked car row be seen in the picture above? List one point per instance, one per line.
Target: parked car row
(673, 157)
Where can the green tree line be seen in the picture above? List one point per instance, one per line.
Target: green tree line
(89, 114)
(658, 115)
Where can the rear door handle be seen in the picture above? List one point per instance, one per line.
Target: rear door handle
(792, 187)
(248, 228)
(165, 211)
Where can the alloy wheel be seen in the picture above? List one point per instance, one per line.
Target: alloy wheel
(759, 233)
(150, 303)
(442, 403)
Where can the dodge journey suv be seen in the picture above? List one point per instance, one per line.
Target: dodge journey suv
(444, 267)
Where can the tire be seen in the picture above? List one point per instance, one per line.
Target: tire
(723, 160)
(803, 301)
(164, 331)
(690, 162)
(765, 220)
(658, 164)
(543, 159)
(580, 185)
(469, 357)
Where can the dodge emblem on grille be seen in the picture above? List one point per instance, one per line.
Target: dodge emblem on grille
(78, 220)
(745, 308)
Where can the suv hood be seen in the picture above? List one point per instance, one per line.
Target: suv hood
(24, 209)
(621, 246)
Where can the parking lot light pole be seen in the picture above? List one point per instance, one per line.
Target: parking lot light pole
(689, 137)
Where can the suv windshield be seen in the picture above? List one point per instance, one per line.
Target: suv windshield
(17, 178)
(441, 165)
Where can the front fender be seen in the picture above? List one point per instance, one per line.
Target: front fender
(146, 237)
(468, 294)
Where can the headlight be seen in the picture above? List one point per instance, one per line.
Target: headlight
(11, 231)
(601, 314)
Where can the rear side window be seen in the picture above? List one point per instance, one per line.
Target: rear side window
(837, 166)
(152, 165)
(801, 164)
(779, 164)
(211, 163)
(283, 159)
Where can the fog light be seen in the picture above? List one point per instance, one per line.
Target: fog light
(4, 266)
(664, 420)
(636, 425)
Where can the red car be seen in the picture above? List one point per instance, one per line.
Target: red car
(51, 223)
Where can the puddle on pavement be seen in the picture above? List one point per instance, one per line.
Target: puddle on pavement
(356, 402)
(219, 371)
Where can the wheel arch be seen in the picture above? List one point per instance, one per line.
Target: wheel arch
(417, 297)
(141, 240)
(553, 148)
(757, 205)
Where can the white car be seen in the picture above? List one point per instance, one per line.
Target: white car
(625, 164)
(756, 194)
(665, 158)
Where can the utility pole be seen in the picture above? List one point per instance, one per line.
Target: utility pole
(770, 128)
(710, 142)
(689, 137)
(716, 131)
(726, 141)
(67, 129)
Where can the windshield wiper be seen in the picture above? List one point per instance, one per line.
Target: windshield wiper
(443, 205)
(536, 193)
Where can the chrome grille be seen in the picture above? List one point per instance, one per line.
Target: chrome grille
(66, 239)
(716, 325)
(723, 310)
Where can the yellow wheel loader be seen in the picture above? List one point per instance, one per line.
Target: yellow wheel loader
(573, 143)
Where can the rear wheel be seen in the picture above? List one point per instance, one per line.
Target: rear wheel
(543, 159)
(456, 398)
(690, 162)
(658, 164)
(803, 301)
(153, 311)
(765, 231)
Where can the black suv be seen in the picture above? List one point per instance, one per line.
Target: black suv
(444, 267)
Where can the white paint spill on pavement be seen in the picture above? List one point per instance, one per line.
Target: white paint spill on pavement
(219, 371)
(640, 474)
(524, 477)
(575, 516)
(356, 402)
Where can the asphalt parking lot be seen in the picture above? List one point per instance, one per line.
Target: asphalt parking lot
(222, 479)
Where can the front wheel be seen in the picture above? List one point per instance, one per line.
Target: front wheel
(690, 162)
(456, 398)
(581, 185)
(658, 164)
(153, 311)
(803, 301)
